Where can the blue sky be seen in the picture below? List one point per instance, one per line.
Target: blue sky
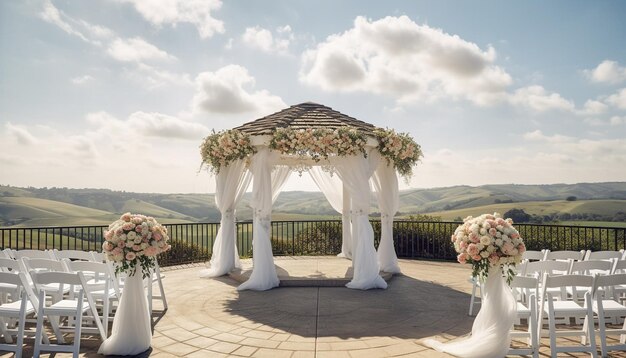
(119, 94)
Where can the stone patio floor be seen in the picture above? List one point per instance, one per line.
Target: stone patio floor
(210, 318)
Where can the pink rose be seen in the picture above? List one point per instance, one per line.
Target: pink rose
(477, 258)
(474, 238)
(493, 259)
(514, 235)
(472, 249)
(463, 245)
(493, 232)
(151, 251)
(119, 231)
(130, 256)
(121, 244)
(108, 234)
(127, 226)
(507, 248)
(136, 247)
(521, 248)
(126, 217)
(138, 228)
(117, 251)
(461, 258)
(500, 221)
(157, 236)
(107, 246)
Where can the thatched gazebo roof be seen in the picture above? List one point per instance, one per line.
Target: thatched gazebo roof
(302, 116)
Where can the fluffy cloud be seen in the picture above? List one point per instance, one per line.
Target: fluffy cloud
(136, 50)
(148, 125)
(398, 57)
(538, 136)
(195, 12)
(263, 39)
(80, 80)
(617, 120)
(225, 91)
(538, 99)
(618, 99)
(20, 134)
(607, 72)
(76, 27)
(593, 107)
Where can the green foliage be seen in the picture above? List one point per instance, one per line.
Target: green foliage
(183, 252)
(571, 198)
(518, 215)
(426, 217)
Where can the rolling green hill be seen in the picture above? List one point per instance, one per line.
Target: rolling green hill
(63, 206)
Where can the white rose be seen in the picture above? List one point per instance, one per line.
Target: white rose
(491, 249)
(499, 242)
(485, 240)
(483, 231)
(484, 254)
(131, 236)
(480, 246)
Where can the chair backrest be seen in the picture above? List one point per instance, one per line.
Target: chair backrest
(533, 255)
(73, 255)
(43, 264)
(98, 270)
(566, 255)
(567, 281)
(538, 268)
(7, 265)
(44, 278)
(21, 283)
(603, 255)
(592, 267)
(98, 256)
(8, 253)
(608, 281)
(33, 254)
(619, 266)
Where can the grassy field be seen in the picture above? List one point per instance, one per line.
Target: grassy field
(594, 223)
(600, 207)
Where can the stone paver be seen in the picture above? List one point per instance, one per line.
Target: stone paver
(210, 318)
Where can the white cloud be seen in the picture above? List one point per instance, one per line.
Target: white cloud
(196, 12)
(618, 99)
(263, 39)
(607, 72)
(225, 91)
(136, 50)
(617, 120)
(154, 78)
(52, 15)
(397, 57)
(537, 135)
(538, 99)
(148, 125)
(593, 107)
(81, 80)
(20, 134)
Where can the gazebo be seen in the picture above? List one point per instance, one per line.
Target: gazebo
(343, 155)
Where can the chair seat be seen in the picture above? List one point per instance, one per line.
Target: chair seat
(13, 308)
(66, 306)
(609, 306)
(100, 293)
(565, 307)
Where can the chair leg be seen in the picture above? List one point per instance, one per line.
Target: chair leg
(532, 328)
(590, 331)
(161, 289)
(471, 307)
(39, 330)
(552, 328)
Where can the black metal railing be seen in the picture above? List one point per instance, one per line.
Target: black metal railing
(193, 242)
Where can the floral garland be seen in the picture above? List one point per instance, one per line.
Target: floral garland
(399, 149)
(319, 143)
(135, 240)
(488, 241)
(221, 148)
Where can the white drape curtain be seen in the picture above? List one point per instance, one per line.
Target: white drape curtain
(333, 189)
(491, 329)
(355, 172)
(265, 190)
(385, 183)
(231, 183)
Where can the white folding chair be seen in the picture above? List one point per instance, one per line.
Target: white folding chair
(73, 308)
(8, 253)
(156, 277)
(72, 255)
(33, 254)
(15, 285)
(100, 288)
(525, 290)
(533, 255)
(589, 268)
(568, 308)
(565, 255)
(31, 265)
(603, 255)
(609, 308)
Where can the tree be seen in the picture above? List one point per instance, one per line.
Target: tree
(571, 198)
(518, 215)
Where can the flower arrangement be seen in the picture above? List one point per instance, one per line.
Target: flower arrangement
(135, 240)
(488, 241)
(319, 143)
(399, 149)
(221, 148)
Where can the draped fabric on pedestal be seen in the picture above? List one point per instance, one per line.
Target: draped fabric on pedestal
(355, 172)
(231, 183)
(333, 189)
(491, 329)
(385, 184)
(265, 190)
